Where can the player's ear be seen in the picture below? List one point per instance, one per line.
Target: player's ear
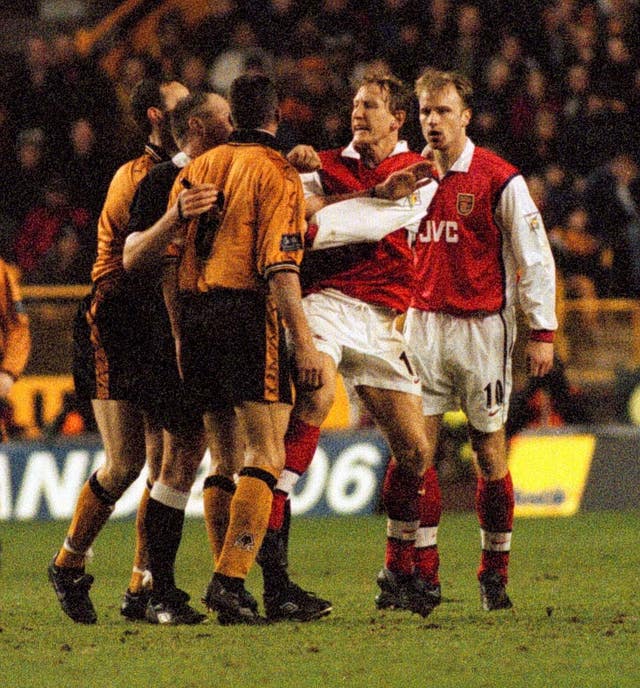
(154, 115)
(466, 117)
(399, 118)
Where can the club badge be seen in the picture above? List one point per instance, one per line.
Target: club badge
(465, 203)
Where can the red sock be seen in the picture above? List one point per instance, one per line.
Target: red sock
(426, 557)
(401, 502)
(494, 505)
(300, 443)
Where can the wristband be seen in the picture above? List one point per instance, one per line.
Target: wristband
(542, 336)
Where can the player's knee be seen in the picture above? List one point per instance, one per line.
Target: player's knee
(116, 478)
(412, 459)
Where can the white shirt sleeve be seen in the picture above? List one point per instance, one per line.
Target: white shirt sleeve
(522, 224)
(370, 219)
(311, 184)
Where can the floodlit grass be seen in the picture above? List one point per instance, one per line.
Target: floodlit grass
(574, 583)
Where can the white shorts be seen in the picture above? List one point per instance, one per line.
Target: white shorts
(362, 339)
(464, 363)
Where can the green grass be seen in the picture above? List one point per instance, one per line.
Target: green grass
(574, 583)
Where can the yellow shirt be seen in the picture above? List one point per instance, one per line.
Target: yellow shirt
(260, 229)
(114, 218)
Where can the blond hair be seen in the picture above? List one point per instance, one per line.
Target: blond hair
(435, 80)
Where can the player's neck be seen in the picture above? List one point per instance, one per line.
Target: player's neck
(446, 158)
(373, 154)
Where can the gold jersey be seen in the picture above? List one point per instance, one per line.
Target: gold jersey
(260, 227)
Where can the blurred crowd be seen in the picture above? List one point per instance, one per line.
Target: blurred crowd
(557, 93)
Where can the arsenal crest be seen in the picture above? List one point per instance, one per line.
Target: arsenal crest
(465, 203)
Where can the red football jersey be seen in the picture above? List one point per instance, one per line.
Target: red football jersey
(461, 266)
(385, 276)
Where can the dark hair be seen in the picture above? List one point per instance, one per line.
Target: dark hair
(254, 101)
(185, 108)
(399, 96)
(435, 80)
(146, 94)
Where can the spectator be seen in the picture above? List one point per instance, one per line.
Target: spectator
(79, 89)
(562, 195)
(272, 21)
(212, 35)
(579, 258)
(243, 51)
(88, 168)
(491, 106)
(193, 72)
(22, 186)
(616, 71)
(612, 200)
(49, 245)
(549, 401)
(171, 34)
(438, 27)
(469, 49)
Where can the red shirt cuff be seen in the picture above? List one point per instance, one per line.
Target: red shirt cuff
(542, 336)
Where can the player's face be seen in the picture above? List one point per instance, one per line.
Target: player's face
(443, 118)
(371, 120)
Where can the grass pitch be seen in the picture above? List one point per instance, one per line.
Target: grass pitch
(574, 583)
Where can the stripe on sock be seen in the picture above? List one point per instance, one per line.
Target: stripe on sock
(169, 496)
(495, 542)
(220, 481)
(402, 530)
(287, 481)
(427, 537)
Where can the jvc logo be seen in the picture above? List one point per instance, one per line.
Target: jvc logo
(445, 229)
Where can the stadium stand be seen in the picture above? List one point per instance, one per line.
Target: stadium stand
(556, 93)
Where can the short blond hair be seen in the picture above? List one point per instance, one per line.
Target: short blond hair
(397, 93)
(435, 80)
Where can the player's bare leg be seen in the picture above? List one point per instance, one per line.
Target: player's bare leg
(121, 426)
(134, 601)
(399, 417)
(284, 600)
(263, 426)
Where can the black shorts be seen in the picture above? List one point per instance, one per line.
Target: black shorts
(124, 350)
(233, 349)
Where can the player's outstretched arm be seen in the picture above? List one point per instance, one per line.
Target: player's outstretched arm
(404, 182)
(146, 248)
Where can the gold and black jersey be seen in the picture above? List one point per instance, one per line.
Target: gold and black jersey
(114, 218)
(260, 228)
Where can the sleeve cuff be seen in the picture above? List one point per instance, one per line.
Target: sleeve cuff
(542, 336)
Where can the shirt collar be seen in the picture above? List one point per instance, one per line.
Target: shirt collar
(351, 152)
(156, 152)
(180, 159)
(463, 163)
(259, 136)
